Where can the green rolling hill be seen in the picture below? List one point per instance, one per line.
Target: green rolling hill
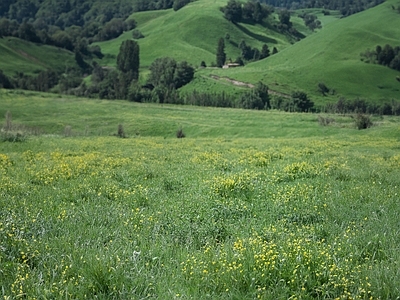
(29, 58)
(332, 56)
(191, 34)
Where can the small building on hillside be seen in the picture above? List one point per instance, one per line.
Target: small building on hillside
(230, 65)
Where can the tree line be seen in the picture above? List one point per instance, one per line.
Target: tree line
(344, 6)
(247, 53)
(387, 55)
(71, 24)
(250, 11)
(361, 106)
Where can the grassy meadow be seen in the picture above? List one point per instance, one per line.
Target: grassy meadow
(29, 58)
(250, 205)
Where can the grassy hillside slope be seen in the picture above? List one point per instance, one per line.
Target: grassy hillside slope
(192, 34)
(22, 56)
(332, 56)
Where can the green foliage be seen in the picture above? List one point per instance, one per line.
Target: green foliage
(221, 55)
(233, 11)
(166, 72)
(121, 131)
(256, 98)
(251, 11)
(5, 81)
(137, 34)
(346, 8)
(323, 88)
(250, 100)
(180, 134)
(111, 29)
(311, 21)
(362, 121)
(264, 51)
(128, 59)
(178, 4)
(361, 106)
(284, 18)
(301, 102)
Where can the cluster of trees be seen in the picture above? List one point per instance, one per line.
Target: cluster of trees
(251, 11)
(311, 21)
(386, 56)
(285, 25)
(67, 13)
(44, 81)
(71, 38)
(298, 102)
(71, 24)
(143, 5)
(345, 7)
(166, 76)
(361, 106)
(247, 53)
(252, 54)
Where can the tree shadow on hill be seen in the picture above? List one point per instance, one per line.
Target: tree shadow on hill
(233, 43)
(256, 36)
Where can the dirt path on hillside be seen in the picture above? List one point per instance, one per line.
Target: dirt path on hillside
(245, 84)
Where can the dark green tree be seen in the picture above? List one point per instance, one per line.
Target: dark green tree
(264, 52)
(301, 102)
(250, 100)
(178, 4)
(284, 18)
(233, 11)
(221, 55)
(167, 73)
(27, 32)
(183, 74)
(5, 81)
(262, 90)
(128, 59)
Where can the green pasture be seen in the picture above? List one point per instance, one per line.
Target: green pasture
(192, 34)
(249, 205)
(21, 56)
(332, 56)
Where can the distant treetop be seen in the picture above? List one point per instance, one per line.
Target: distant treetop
(345, 7)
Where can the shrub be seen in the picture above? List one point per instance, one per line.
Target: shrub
(362, 121)
(325, 121)
(121, 132)
(67, 131)
(180, 134)
(13, 136)
(137, 34)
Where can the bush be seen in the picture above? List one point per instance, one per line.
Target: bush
(11, 136)
(325, 121)
(137, 34)
(121, 132)
(180, 134)
(362, 121)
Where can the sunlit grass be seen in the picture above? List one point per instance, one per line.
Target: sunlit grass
(251, 204)
(195, 218)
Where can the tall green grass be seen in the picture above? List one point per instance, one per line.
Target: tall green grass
(249, 205)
